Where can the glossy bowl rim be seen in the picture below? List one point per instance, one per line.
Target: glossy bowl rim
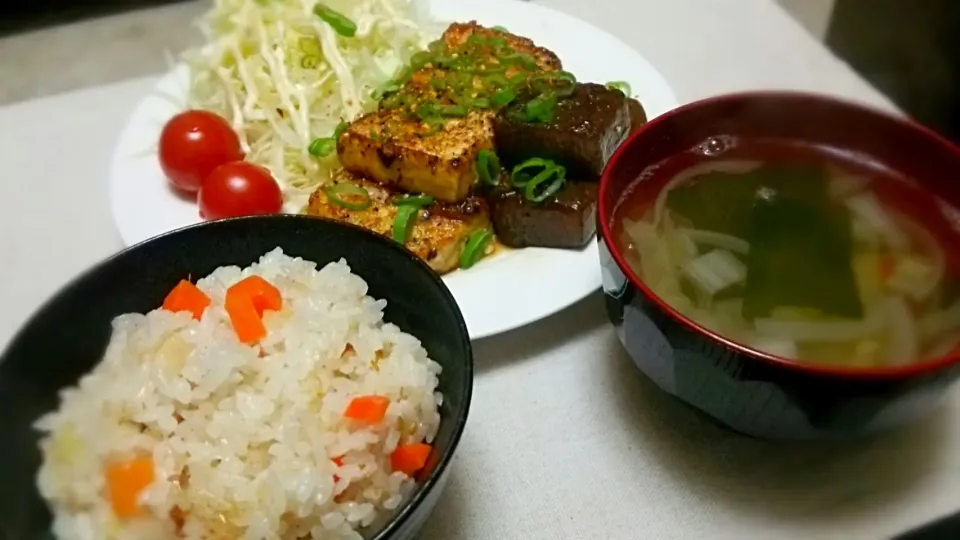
(604, 214)
(410, 507)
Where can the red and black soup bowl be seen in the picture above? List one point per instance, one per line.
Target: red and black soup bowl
(753, 392)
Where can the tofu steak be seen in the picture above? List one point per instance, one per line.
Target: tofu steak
(438, 234)
(427, 135)
(458, 34)
(389, 148)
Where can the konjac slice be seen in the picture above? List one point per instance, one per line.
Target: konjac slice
(584, 131)
(565, 220)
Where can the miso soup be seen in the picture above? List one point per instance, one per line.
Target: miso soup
(797, 251)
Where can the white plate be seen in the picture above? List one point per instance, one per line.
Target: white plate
(498, 294)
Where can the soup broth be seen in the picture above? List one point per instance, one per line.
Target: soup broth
(801, 252)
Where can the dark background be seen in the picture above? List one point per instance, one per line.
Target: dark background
(909, 49)
(23, 15)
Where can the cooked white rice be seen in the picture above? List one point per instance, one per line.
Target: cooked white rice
(252, 456)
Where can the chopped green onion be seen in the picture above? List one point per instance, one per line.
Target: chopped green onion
(518, 80)
(349, 196)
(471, 102)
(341, 127)
(522, 59)
(405, 75)
(403, 223)
(475, 248)
(444, 60)
(420, 59)
(497, 42)
(562, 83)
(541, 108)
(495, 80)
(427, 111)
(503, 97)
(499, 28)
(309, 62)
(556, 176)
(476, 39)
(390, 87)
(415, 200)
(453, 110)
(490, 70)
(322, 147)
(465, 63)
(338, 21)
(488, 167)
(520, 176)
(465, 81)
(393, 101)
(622, 86)
(435, 125)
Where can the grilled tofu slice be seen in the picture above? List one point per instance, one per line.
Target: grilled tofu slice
(403, 148)
(388, 147)
(457, 35)
(437, 237)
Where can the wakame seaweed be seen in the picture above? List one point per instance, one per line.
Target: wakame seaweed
(800, 246)
(951, 291)
(717, 201)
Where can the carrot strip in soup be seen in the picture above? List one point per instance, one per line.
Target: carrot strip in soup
(887, 266)
(244, 317)
(264, 295)
(367, 409)
(410, 458)
(126, 480)
(186, 297)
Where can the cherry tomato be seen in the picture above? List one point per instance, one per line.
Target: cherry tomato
(193, 144)
(239, 189)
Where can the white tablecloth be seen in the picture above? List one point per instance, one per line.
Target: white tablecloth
(565, 439)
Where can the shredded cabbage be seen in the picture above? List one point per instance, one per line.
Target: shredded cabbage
(283, 77)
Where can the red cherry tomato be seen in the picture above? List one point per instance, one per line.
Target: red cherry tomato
(239, 189)
(193, 144)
